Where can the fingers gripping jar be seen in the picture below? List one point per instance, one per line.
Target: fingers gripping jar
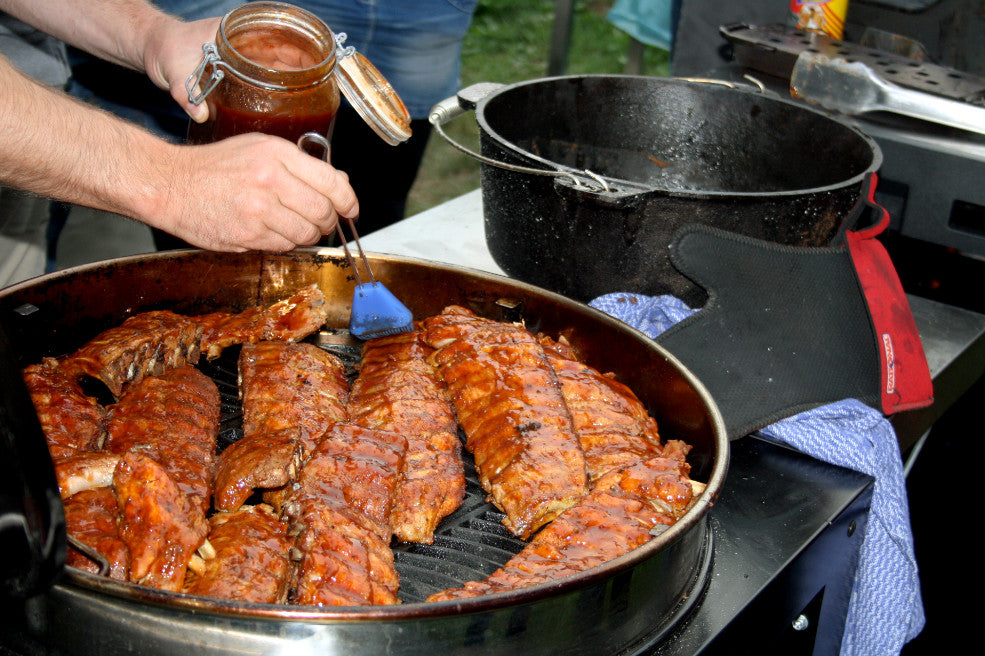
(278, 69)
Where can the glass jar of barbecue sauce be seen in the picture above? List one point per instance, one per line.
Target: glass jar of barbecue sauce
(278, 69)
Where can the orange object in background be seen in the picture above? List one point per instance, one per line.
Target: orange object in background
(824, 16)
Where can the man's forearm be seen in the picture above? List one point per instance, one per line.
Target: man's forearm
(58, 147)
(250, 191)
(115, 30)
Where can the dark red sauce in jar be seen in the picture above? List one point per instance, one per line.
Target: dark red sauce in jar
(227, 122)
(277, 49)
(277, 62)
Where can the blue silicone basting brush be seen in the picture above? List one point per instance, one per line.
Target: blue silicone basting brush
(376, 312)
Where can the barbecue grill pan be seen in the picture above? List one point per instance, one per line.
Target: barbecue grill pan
(630, 601)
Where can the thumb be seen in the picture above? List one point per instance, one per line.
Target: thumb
(198, 113)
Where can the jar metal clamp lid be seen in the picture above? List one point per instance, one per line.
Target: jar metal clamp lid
(370, 94)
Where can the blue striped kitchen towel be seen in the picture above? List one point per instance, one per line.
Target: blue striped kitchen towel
(886, 609)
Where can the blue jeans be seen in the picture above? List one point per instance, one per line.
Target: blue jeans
(192, 10)
(416, 44)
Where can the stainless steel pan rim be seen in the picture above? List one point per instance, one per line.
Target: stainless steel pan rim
(529, 594)
(402, 275)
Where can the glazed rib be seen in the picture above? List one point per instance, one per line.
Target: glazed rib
(72, 422)
(85, 471)
(265, 460)
(398, 390)
(161, 525)
(146, 344)
(340, 511)
(356, 469)
(290, 319)
(342, 563)
(174, 419)
(91, 517)
(291, 385)
(613, 427)
(292, 393)
(612, 520)
(508, 401)
(252, 557)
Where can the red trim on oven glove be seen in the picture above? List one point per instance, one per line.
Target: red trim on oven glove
(906, 381)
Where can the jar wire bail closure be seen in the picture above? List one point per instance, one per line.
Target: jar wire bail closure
(370, 94)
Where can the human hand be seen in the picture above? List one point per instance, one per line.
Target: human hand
(171, 54)
(251, 192)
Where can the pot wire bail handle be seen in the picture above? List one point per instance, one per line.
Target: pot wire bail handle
(450, 108)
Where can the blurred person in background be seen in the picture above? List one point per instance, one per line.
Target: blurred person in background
(417, 46)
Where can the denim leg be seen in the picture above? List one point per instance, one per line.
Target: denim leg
(415, 45)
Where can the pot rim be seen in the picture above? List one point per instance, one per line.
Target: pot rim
(638, 187)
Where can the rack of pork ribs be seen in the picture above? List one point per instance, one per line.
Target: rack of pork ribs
(336, 465)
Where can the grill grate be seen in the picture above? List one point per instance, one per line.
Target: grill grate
(469, 544)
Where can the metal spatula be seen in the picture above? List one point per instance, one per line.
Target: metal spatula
(376, 312)
(853, 88)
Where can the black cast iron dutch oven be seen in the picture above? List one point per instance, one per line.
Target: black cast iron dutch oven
(585, 179)
(609, 609)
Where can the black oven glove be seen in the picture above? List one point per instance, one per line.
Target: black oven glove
(786, 329)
